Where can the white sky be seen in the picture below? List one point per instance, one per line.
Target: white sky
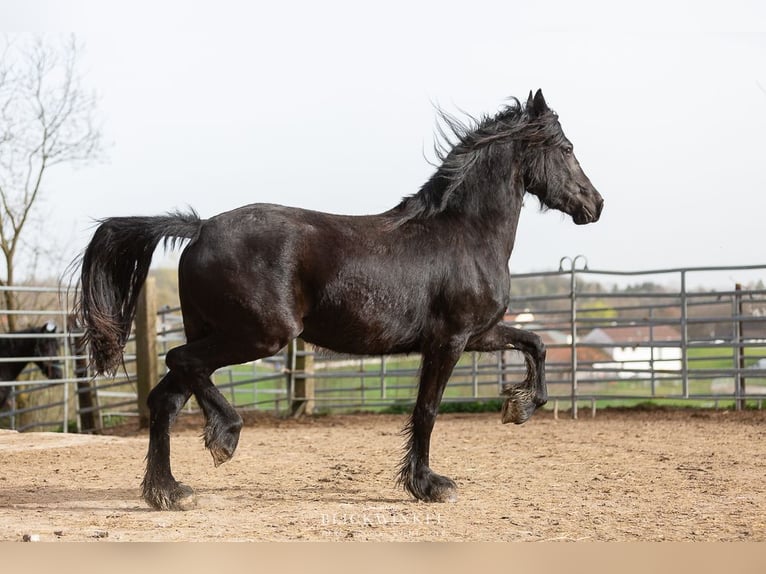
(328, 105)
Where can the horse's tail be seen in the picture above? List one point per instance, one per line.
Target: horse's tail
(114, 267)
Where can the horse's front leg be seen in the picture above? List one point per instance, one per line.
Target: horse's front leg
(522, 398)
(415, 474)
(160, 490)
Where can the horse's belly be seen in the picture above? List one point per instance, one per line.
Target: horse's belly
(361, 333)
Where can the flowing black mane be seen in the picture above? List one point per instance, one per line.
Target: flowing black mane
(468, 150)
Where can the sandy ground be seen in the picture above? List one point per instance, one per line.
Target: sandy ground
(651, 475)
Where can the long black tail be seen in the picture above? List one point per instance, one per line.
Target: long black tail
(114, 267)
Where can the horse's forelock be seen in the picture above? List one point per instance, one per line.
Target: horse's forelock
(512, 122)
(544, 131)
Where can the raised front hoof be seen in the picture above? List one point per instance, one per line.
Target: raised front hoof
(221, 440)
(520, 404)
(432, 487)
(175, 497)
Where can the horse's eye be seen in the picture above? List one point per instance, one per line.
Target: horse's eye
(568, 151)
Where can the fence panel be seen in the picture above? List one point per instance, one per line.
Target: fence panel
(606, 344)
(646, 343)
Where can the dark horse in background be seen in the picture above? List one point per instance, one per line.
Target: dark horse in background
(28, 344)
(429, 276)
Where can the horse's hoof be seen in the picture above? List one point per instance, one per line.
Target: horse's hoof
(222, 442)
(220, 456)
(183, 498)
(519, 405)
(432, 487)
(444, 493)
(178, 497)
(515, 412)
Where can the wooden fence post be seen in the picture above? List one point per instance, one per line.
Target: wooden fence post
(303, 377)
(146, 348)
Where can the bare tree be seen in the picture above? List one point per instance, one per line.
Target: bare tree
(46, 119)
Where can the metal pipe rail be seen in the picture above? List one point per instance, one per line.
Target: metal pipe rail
(711, 340)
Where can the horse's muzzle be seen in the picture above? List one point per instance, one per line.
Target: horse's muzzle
(589, 213)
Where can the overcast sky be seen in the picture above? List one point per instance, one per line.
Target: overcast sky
(329, 105)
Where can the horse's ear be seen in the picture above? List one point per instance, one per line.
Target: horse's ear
(537, 104)
(49, 327)
(530, 102)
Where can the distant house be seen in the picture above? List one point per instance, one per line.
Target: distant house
(558, 342)
(638, 350)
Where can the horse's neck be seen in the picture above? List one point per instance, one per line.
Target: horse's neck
(490, 206)
(20, 348)
(497, 215)
(507, 231)
(9, 371)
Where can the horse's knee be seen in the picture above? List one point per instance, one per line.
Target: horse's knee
(541, 352)
(537, 346)
(536, 352)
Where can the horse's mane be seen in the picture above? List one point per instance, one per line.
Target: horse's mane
(463, 145)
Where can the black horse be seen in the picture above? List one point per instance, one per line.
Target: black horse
(429, 276)
(29, 343)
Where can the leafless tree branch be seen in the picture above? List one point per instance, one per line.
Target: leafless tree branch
(46, 119)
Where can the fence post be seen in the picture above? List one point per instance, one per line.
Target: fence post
(146, 348)
(87, 399)
(301, 364)
(573, 319)
(684, 337)
(739, 350)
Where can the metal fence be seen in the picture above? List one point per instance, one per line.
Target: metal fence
(612, 337)
(655, 335)
(34, 402)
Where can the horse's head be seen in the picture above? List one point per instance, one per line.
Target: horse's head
(551, 170)
(48, 346)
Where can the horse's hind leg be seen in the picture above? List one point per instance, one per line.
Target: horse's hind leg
(160, 490)
(190, 366)
(222, 422)
(522, 398)
(196, 361)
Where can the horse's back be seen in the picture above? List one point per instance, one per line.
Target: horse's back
(269, 261)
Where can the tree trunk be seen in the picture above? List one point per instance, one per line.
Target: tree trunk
(8, 295)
